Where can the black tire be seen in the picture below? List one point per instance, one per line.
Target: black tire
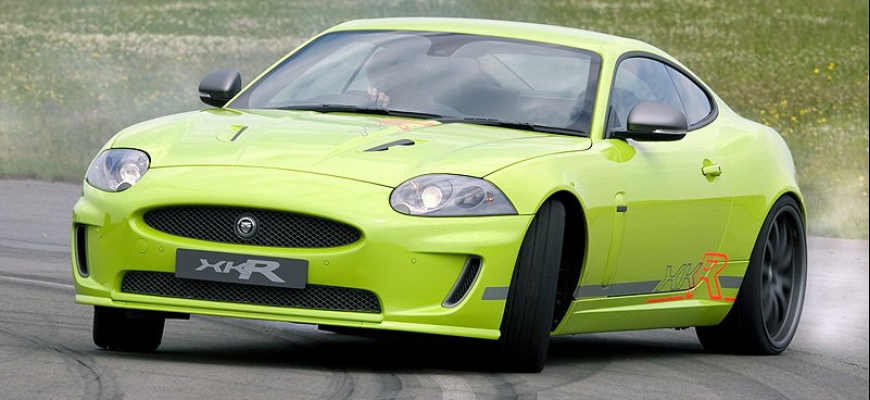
(765, 315)
(528, 315)
(124, 330)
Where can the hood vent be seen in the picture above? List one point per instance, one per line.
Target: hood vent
(386, 146)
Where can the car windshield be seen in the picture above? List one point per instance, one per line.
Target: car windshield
(455, 77)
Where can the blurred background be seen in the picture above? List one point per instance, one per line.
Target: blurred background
(74, 72)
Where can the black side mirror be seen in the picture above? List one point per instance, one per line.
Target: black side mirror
(219, 86)
(652, 121)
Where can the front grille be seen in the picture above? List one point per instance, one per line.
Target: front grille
(313, 297)
(275, 228)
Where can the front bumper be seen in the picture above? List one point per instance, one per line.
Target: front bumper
(410, 263)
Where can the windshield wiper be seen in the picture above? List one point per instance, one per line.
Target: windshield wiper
(528, 126)
(350, 108)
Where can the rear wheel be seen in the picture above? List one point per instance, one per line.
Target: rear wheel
(126, 330)
(528, 316)
(768, 308)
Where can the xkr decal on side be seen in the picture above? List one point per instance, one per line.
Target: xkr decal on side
(705, 274)
(688, 277)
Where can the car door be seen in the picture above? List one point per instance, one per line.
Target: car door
(676, 207)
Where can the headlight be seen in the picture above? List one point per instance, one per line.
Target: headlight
(450, 195)
(115, 170)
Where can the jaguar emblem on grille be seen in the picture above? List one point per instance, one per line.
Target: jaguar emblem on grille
(246, 226)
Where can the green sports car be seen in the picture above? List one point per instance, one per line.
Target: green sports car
(493, 180)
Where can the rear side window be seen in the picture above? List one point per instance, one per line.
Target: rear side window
(695, 101)
(639, 80)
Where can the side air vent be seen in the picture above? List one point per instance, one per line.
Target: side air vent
(464, 283)
(81, 250)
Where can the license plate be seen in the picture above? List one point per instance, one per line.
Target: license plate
(240, 268)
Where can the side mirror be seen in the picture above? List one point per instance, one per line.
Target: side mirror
(652, 121)
(219, 86)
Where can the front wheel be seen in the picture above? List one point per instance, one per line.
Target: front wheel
(528, 315)
(766, 313)
(125, 330)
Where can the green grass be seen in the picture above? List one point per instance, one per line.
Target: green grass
(72, 73)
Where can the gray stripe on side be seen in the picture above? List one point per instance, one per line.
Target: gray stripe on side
(590, 291)
(628, 289)
(619, 289)
(495, 293)
(730, 282)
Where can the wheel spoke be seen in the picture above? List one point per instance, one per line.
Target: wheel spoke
(784, 264)
(780, 315)
(781, 239)
(772, 319)
(774, 236)
(783, 257)
(768, 302)
(787, 238)
(768, 251)
(779, 295)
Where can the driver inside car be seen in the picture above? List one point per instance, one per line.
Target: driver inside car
(393, 84)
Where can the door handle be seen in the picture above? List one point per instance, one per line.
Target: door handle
(710, 169)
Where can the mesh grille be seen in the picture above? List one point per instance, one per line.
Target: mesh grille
(275, 228)
(463, 284)
(312, 297)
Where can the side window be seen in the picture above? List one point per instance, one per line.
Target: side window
(638, 80)
(695, 101)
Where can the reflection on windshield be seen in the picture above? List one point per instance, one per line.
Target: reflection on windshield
(462, 77)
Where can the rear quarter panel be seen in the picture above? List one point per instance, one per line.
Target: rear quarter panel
(761, 166)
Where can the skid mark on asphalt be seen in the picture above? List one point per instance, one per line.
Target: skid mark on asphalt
(719, 380)
(11, 317)
(453, 387)
(10, 250)
(98, 382)
(42, 246)
(820, 377)
(37, 282)
(342, 385)
(370, 366)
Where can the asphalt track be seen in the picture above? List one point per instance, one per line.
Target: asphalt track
(46, 350)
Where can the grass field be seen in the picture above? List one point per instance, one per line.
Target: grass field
(72, 73)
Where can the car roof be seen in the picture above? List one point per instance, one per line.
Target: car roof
(604, 44)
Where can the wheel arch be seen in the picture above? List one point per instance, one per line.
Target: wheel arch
(792, 193)
(573, 252)
(798, 199)
(747, 220)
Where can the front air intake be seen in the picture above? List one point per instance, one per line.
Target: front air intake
(81, 255)
(463, 283)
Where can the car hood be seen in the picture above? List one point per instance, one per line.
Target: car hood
(343, 145)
